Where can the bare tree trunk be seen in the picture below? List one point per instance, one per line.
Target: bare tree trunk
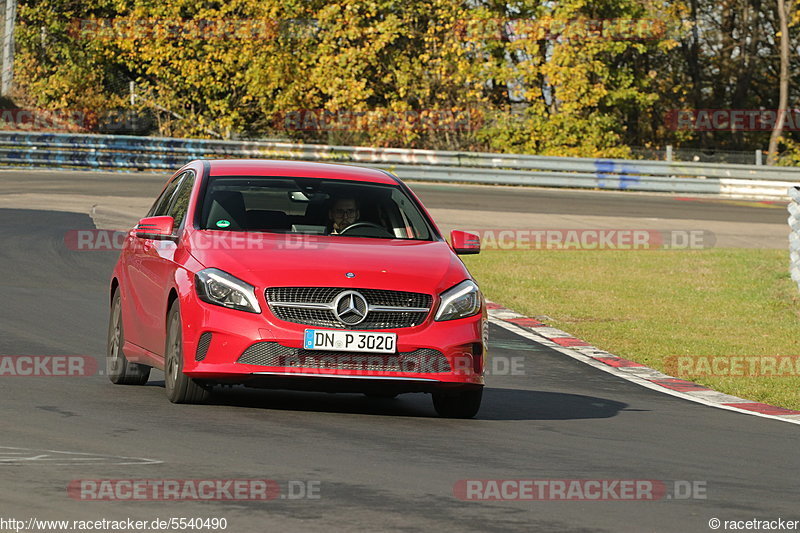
(783, 98)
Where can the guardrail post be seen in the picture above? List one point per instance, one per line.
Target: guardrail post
(8, 47)
(794, 236)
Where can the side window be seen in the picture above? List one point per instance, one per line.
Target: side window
(161, 206)
(180, 204)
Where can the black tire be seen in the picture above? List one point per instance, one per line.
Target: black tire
(120, 370)
(180, 388)
(458, 404)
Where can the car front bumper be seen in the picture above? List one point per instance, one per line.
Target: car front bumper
(228, 346)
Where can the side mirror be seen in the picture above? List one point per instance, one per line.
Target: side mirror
(464, 243)
(155, 227)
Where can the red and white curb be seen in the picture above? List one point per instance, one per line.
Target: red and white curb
(563, 342)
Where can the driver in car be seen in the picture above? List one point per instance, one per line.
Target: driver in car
(343, 213)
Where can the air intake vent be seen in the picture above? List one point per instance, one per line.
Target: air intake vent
(202, 346)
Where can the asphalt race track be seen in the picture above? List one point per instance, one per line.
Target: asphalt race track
(374, 464)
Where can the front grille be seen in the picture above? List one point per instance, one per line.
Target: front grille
(268, 353)
(382, 319)
(202, 346)
(327, 294)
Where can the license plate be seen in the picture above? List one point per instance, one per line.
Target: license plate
(349, 341)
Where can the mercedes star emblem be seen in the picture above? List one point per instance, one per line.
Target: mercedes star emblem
(350, 307)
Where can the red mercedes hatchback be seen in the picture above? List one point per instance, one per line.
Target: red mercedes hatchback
(296, 275)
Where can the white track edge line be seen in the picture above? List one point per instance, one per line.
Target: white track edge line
(530, 335)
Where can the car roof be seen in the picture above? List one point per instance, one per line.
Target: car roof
(297, 169)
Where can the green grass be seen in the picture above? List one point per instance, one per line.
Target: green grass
(649, 305)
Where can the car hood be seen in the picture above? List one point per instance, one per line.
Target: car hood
(275, 260)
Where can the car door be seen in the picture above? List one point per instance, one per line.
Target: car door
(145, 279)
(158, 267)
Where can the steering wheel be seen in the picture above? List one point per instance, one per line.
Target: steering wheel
(383, 232)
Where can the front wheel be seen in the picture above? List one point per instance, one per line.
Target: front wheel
(120, 370)
(458, 404)
(180, 387)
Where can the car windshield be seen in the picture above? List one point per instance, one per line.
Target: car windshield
(312, 206)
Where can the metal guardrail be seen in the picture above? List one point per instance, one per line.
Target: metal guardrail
(122, 152)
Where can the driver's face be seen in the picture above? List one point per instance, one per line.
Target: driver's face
(343, 213)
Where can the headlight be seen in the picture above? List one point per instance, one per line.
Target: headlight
(220, 288)
(461, 301)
